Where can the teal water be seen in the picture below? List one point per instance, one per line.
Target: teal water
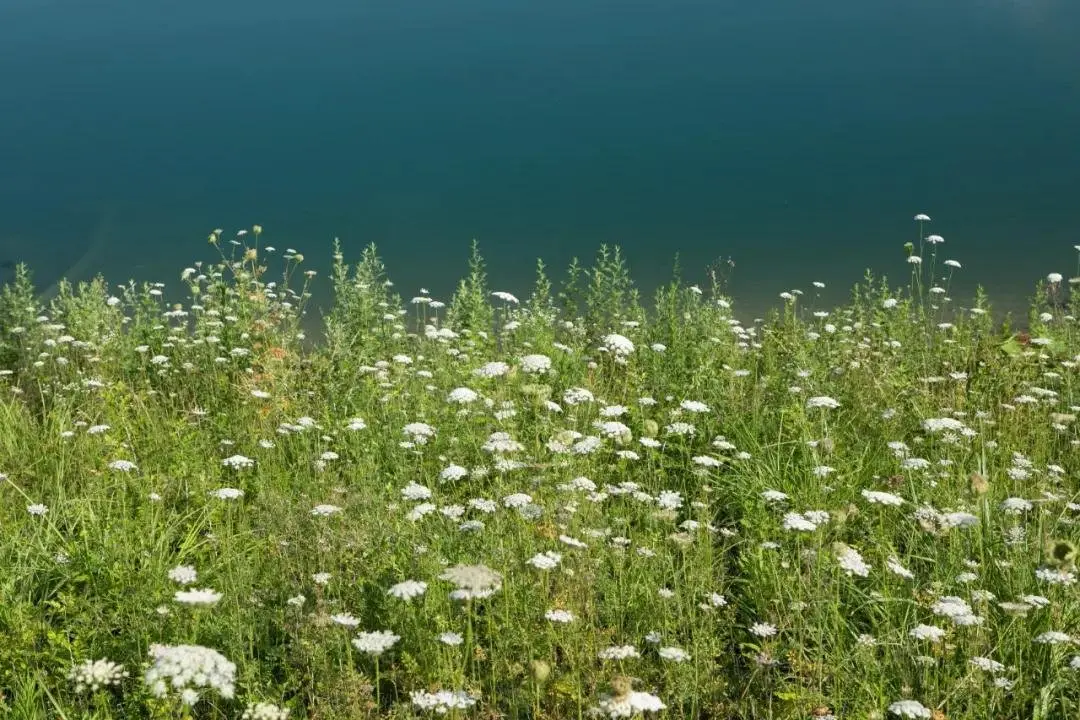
(796, 137)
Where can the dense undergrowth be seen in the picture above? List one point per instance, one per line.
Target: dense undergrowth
(548, 508)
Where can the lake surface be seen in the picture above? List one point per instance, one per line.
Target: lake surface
(798, 138)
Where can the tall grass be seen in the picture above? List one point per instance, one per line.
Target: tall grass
(602, 507)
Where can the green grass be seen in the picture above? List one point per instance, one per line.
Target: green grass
(670, 508)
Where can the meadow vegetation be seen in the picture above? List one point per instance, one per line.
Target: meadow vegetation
(216, 502)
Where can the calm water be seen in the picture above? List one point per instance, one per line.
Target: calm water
(796, 137)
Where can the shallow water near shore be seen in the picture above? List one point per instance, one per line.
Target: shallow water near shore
(797, 139)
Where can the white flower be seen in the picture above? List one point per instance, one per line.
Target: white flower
(910, 709)
(238, 462)
(545, 561)
(517, 500)
(93, 675)
(559, 616)
(694, 406)
(492, 370)
(442, 701)
(1015, 506)
(227, 493)
(618, 652)
(796, 522)
(1054, 278)
(630, 704)
(204, 596)
(927, 632)
(851, 562)
(669, 500)
(451, 638)
(536, 364)
(415, 491)
(1053, 637)
(375, 643)
(264, 711)
(123, 465)
(763, 630)
(618, 344)
(894, 566)
(188, 668)
(822, 401)
(325, 510)
(674, 654)
(408, 589)
(183, 574)
(882, 498)
(462, 396)
(37, 509)
(346, 619)
(987, 664)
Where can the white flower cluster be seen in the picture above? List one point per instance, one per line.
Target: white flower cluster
(442, 701)
(375, 643)
(92, 675)
(187, 669)
(629, 705)
(265, 711)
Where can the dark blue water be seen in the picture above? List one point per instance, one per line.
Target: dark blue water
(796, 137)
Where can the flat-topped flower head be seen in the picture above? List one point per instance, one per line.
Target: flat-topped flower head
(375, 643)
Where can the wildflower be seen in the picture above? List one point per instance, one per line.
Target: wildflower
(794, 521)
(492, 370)
(264, 711)
(451, 638)
(238, 462)
(927, 632)
(123, 466)
(673, 654)
(986, 664)
(325, 510)
(472, 581)
(669, 500)
(1053, 637)
(93, 675)
(694, 406)
(618, 344)
(183, 574)
(822, 402)
(37, 509)
(462, 396)
(346, 619)
(375, 643)
(628, 704)
(882, 498)
(910, 709)
(536, 364)
(851, 562)
(545, 560)
(205, 596)
(894, 566)
(408, 589)
(415, 491)
(188, 669)
(227, 493)
(619, 652)
(763, 630)
(560, 616)
(442, 701)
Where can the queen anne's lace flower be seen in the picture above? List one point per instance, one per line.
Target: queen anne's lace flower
(93, 675)
(187, 669)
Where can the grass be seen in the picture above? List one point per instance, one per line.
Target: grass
(860, 512)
